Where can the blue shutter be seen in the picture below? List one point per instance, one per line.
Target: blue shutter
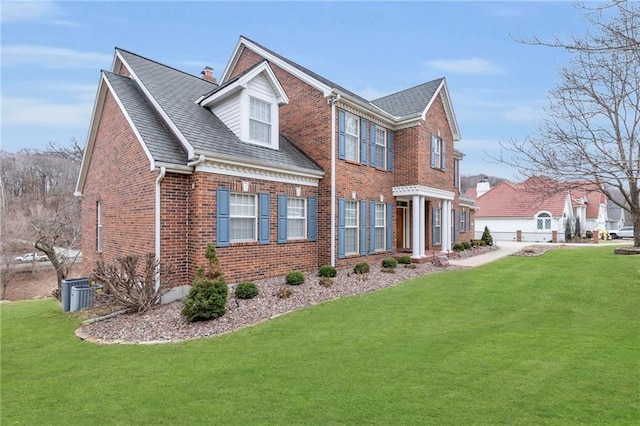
(342, 149)
(443, 153)
(456, 219)
(433, 151)
(312, 221)
(372, 227)
(372, 137)
(390, 150)
(389, 227)
(282, 219)
(341, 228)
(363, 228)
(265, 199)
(222, 218)
(363, 141)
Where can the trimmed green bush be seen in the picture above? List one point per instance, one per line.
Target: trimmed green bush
(466, 245)
(206, 300)
(588, 234)
(486, 236)
(389, 263)
(405, 260)
(294, 278)
(458, 247)
(247, 290)
(327, 271)
(361, 268)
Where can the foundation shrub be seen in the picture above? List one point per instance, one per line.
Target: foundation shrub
(247, 290)
(294, 278)
(327, 271)
(361, 268)
(405, 260)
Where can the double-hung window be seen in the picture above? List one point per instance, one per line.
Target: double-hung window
(351, 227)
(437, 158)
(544, 222)
(242, 217)
(296, 218)
(381, 148)
(380, 225)
(437, 225)
(352, 137)
(260, 121)
(99, 226)
(463, 220)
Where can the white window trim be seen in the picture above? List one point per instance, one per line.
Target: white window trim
(356, 227)
(245, 119)
(545, 217)
(383, 227)
(304, 219)
(254, 217)
(384, 145)
(357, 137)
(258, 120)
(99, 227)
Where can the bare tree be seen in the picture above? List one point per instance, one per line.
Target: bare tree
(592, 129)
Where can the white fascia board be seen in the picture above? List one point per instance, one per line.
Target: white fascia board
(98, 105)
(243, 42)
(448, 109)
(173, 168)
(183, 140)
(130, 121)
(437, 193)
(242, 84)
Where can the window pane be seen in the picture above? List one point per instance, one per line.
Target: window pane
(352, 137)
(380, 243)
(351, 244)
(260, 121)
(242, 229)
(296, 218)
(242, 224)
(351, 227)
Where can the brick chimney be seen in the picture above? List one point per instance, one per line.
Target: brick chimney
(207, 74)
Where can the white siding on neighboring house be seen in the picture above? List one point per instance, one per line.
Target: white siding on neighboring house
(229, 112)
(504, 229)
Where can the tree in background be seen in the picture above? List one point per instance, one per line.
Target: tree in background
(592, 129)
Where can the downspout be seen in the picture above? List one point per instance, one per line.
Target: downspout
(332, 101)
(163, 172)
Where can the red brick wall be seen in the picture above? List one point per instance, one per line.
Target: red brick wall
(119, 177)
(175, 231)
(246, 260)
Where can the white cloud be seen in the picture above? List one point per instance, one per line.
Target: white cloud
(22, 111)
(15, 11)
(52, 57)
(473, 65)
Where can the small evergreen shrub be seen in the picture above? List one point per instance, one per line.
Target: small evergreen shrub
(458, 247)
(327, 271)
(361, 268)
(405, 260)
(466, 245)
(246, 290)
(389, 263)
(206, 300)
(294, 278)
(486, 236)
(283, 293)
(481, 243)
(326, 282)
(588, 234)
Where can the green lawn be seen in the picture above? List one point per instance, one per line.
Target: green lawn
(547, 340)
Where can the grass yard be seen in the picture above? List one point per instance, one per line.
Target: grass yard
(546, 340)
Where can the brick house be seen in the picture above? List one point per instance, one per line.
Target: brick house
(281, 168)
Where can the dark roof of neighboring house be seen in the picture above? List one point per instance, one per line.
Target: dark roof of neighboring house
(176, 92)
(161, 143)
(409, 102)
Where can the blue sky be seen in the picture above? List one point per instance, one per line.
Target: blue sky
(52, 53)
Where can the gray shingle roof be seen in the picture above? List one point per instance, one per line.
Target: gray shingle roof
(161, 143)
(409, 102)
(176, 93)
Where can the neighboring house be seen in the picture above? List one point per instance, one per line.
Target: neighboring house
(615, 217)
(279, 167)
(536, 209)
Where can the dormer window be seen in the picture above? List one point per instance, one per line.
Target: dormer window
(260, 121)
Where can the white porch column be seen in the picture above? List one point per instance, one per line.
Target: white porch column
(422, 224)
(446, 225)
(415, 228)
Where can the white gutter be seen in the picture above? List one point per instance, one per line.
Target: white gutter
(163, 171)
(333, 101)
